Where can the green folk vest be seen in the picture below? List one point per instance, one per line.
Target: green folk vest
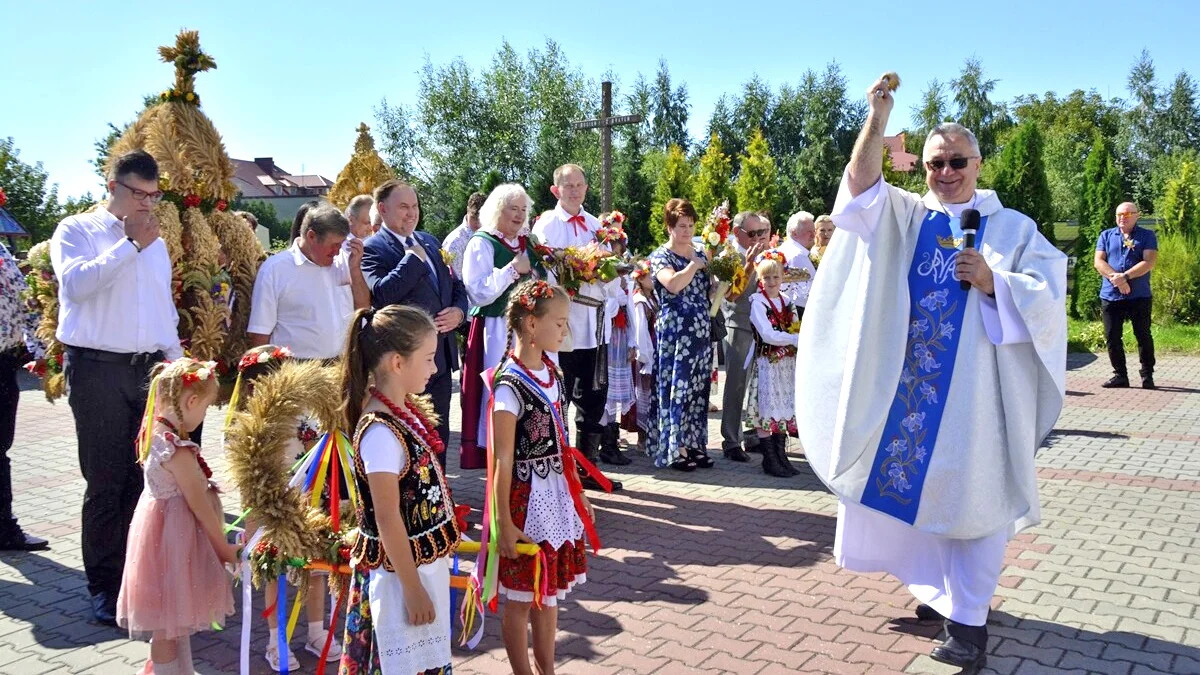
(503, 255)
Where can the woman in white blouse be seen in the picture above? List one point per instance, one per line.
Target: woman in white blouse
(498, 256)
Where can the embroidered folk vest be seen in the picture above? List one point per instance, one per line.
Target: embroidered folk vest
(537, 444)
(781, 322)
(501, 256)
(424, 502)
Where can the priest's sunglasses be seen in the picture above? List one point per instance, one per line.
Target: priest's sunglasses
(956, 163)
(140, 195)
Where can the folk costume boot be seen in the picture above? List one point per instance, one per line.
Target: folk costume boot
(771, 464)
(610, 447)
(591, 451)
(781, 441)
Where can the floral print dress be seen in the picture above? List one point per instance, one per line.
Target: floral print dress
(684, 365)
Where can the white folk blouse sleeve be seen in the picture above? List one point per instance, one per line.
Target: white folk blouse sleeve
(762, 324)
(484, 281)
(639, 331)
(1001, 319)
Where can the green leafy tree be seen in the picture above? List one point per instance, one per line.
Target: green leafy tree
(266, 215)
(756, 187)
(930, 112)
(1019, 177)
(633, 193)
(1180, 204)
(1102, 193)
(976, 111)
(713, 184)
(32, 202)
(669, 107)
(675, 180)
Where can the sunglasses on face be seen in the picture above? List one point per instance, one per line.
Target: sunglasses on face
(956, 163)
(757, 233)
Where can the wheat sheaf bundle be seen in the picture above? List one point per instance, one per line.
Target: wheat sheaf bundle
(256, 441)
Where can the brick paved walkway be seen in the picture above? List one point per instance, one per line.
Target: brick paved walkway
(729, 571)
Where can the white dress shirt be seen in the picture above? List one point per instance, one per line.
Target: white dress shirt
(302, 305)
(798, 258)
(111, 297)
(556, 231)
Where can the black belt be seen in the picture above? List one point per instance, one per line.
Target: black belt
(101, 356)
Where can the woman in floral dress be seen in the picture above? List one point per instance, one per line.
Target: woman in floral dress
(682, 285)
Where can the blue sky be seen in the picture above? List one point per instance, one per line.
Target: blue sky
(294, 80)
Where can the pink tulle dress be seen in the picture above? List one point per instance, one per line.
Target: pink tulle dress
(174, 584)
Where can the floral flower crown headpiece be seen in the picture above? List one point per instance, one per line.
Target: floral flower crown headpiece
(528, 299)
(641, 269)
(612, 228)
(773, 254)
(206, 371)
(265, 356)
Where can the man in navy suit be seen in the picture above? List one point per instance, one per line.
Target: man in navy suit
(405, 267)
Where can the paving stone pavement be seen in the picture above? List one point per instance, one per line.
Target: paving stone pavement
(730, 571)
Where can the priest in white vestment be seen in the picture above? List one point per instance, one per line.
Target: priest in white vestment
(928, 402)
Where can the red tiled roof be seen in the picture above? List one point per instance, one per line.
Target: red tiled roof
(263, 178)
(902, 160)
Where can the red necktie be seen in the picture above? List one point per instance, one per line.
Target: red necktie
(579, 223)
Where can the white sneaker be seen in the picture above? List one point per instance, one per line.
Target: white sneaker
(272, 657)
(315, 645)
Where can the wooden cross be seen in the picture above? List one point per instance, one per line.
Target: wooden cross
(605, 123)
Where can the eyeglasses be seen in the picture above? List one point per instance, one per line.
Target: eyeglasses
(139, 195)
(758, 233)
(1127, 215)
(956, 163)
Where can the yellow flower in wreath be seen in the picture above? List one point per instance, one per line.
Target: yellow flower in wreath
(190, 97)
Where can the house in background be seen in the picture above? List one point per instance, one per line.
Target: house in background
(10, 231)
(261, 180)
(902, 160)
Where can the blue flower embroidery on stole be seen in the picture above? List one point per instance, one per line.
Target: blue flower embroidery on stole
(936, 313)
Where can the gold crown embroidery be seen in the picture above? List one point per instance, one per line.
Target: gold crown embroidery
(950, 242)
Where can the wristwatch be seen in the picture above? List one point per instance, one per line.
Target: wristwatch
(136, 246)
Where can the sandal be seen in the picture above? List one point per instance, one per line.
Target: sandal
(684, 464)
(702, 460)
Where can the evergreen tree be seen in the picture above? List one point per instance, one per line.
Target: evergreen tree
(713, 180)
(756, 187)
(675, 180)
(1180, 205)
(1020, 178)
(634, 194)
(1102, 192)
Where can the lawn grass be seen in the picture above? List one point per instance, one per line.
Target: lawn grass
(1088, 336)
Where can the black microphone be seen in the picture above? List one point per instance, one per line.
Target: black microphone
(970, 225)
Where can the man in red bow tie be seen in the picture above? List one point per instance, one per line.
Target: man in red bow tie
(585, 378)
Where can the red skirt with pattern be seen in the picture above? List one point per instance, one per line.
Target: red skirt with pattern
(563, 565)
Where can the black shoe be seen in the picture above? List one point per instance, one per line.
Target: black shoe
(683, 464)
(1116, 382)
(610, 447)
(927, 613)
(736, 454)
(781, 441)
(104, 608)
(961, 654)
(590, 483)
(701, 458)
(17, 540)
(771, 464)
(1148, 382)
(615, 457)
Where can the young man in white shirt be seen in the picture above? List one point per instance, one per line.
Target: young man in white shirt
(116, 320)
(299, 299)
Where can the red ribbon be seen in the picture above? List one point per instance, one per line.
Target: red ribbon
(335, 501)
(571, 456)
(621, 320)
(579, 222)
(332, 624)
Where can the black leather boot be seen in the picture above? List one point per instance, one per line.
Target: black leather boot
(610, 447)
(591, 450)
(781, 441)
(965, 647)
(771, 464)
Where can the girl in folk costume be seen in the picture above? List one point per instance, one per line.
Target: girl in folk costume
(534, 493)
(174, 582)
(497, 258)
(616, 313)
(398, 612)
(641, 325)
(255, 363)
(771, 407)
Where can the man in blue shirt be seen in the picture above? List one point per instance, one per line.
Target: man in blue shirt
(1125, 255)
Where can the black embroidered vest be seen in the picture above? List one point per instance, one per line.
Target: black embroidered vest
(424, 502)
(538, 447)
(780, 322)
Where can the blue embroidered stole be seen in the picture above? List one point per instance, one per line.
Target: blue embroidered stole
(934, 327)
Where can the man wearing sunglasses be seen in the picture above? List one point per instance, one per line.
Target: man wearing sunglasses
(1125, 254)
(931, 399)
(116, 320)
(751, 236)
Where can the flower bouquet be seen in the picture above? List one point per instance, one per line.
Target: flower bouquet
(577, 265)
(612, 229)
(729, 269)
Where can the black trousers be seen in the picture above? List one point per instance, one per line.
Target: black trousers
(10, 395)
(1114, 313)
(579, 373)
(107, 400)
(439, 389)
